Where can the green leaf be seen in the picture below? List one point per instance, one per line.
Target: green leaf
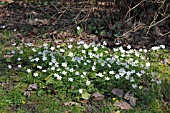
(113, 27)
(1, 54)
(40, 92)
(8, 59)
(103, 33)
(86, 95)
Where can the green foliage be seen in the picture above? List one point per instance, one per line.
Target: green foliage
(75, 67)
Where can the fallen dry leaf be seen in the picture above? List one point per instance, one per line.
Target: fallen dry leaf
(97, 96)
(127, 95)
(27, 93)
(84, 101)
(32, 87)
(118, 92)
(132, 99)
(90, 107)
(70, 103)
(123, 105)
(8, 1)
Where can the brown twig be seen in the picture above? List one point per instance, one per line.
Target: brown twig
(151, 25)
(59, 16)
(134, 7)
(134, 29)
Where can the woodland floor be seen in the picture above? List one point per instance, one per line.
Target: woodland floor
(24, 22)
(31, 22)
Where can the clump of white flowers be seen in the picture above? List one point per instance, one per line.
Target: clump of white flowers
(85, 66)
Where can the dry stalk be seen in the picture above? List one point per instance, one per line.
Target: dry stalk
(59, 16)
(134, 29)
(76, 18)
(151, 25)
(134, 7)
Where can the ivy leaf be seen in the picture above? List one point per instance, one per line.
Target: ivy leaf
(103, 33)
(86, 96)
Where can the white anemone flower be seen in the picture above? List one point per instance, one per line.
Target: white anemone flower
(134, 86)
(158, 81)
(107, 78)
(36, 59)
(21, 52)
(117, 76)
(50, 63)
(35, 74)
(88, 82)
(83, 51)
(64, 72)
(145, 50)
(19, 66)
(86, 46)
(162, 46)
(104, 43)
(95, 49)
(44, 70)
(19, 59)
(39, 67)
(64, 64)
(59, 77)
(128, 73)
(93, 68)
(45, 44)
(84, 73)
(99, 74)
(109, 65)
(129, 47)
(127, 77)
(111, 72)
(70, 54)
(29, 70)
(137, 53)
(147, 64)
(155, 48)
(70, 79)
(52, 68)
(139, 74)
(56, 75)
(80, 91)
(70, 46)
(13, 51)
(78, 28)
(9, 66)
(52, 48)
(34, 50)
(142, 71)
(115, 49)
(44, 58)
(71, 70)
(62, 50)
(77, 73)
(82, 76)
